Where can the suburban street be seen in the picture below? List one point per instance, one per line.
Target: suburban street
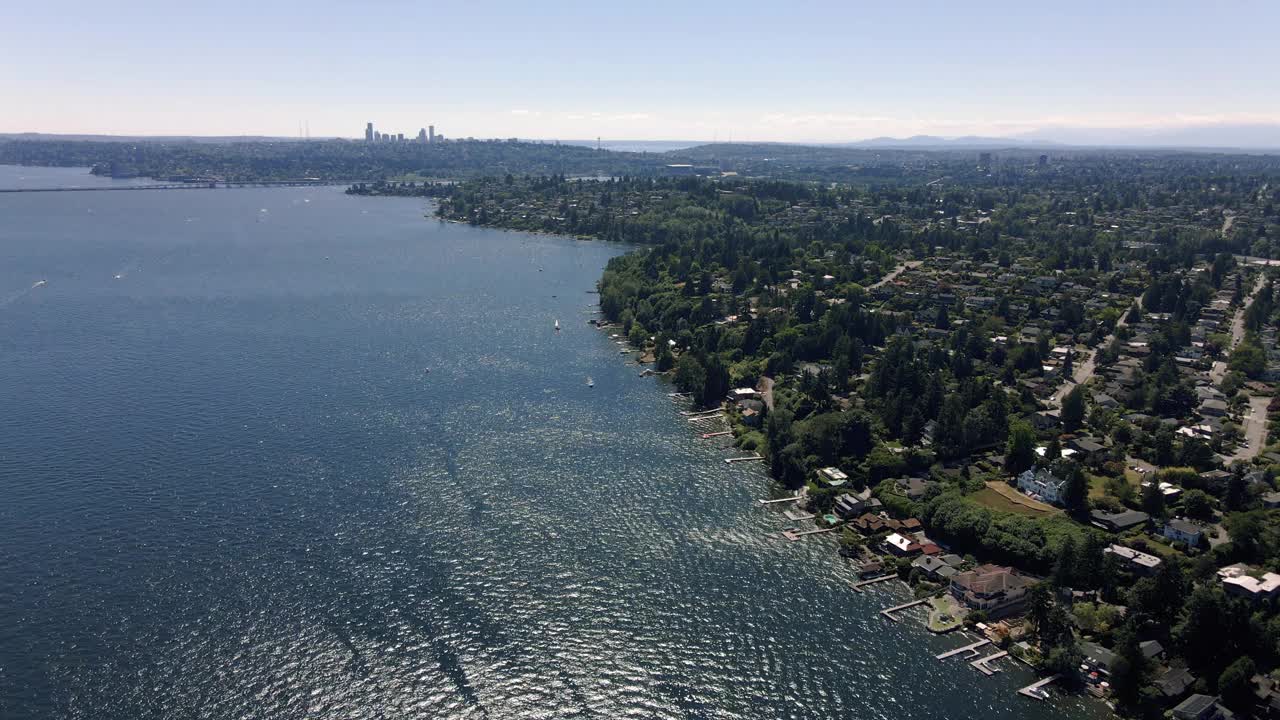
(1254, 427)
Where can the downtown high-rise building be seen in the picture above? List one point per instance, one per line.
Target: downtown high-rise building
(368, 132)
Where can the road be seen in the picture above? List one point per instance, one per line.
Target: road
(1254, 427)
(1219, 369)
(1085, 370)
(893, 274)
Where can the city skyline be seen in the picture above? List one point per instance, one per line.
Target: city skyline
(672, 72)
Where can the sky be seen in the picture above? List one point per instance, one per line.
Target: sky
(777, 71)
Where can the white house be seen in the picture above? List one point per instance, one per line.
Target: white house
(1042, 484)
(832, 477)
(1179, 530)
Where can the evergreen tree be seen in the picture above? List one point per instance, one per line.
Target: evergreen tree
(1073, 409)
(1064, 568)
(1153, 499)
(1129, 670)
(1235, 685)
(1020, 451)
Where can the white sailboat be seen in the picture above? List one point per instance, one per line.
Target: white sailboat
(590, 382)
(557, 326)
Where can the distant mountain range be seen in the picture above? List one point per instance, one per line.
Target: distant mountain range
(934, 141)
(1260, 136)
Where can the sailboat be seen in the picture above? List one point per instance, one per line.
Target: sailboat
(557, 326)
(590, 382)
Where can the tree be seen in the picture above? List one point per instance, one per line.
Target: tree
(942, 321)
(1203, 631)
(690, 376)
(1129, 670)
(1075, 485)
(1249, 358)
(1053, 451)
(1153, 499)
(1020, 451)
(1235, 684)
(1073, 409)
(1196, 505)
(1039, 605)
(1064, 569)
(665, 360)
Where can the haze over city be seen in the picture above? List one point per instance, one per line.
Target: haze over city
(802, 72)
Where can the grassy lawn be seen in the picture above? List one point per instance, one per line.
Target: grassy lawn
(998, 496)
(1098, 483)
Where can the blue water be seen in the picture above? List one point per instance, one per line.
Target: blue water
(284, 453)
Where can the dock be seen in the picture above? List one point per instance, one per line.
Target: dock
(1034, 690)
(967, 648)
(696, 413)
(749, 458)
(857, 587)
(981, 664)
(700, 418)
(708, 436)
(889, 612)
(793, 535)
(798, 516)
(793, 498)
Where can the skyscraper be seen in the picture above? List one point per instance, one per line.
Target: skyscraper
(422, 135)
(431, 133)
(368, 132)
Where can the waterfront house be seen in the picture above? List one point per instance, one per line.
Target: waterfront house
(854, 504)
(1183, 531)
(1101, 659)
(993, 589)
(1041, 484)
(1097, 658)
(900, 545)
(935, 568)
(832, 477)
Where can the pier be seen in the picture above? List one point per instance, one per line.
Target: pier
(889, 612)
(793, 535)
(748, 458)
(708, 436)
(793, 498)
(798, 516)
(981, 665)
(857, 587)
(960, 650)
(1035, 691)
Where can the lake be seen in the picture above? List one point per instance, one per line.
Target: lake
(286, 453)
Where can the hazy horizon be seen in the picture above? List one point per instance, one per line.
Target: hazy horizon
(716, 72)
